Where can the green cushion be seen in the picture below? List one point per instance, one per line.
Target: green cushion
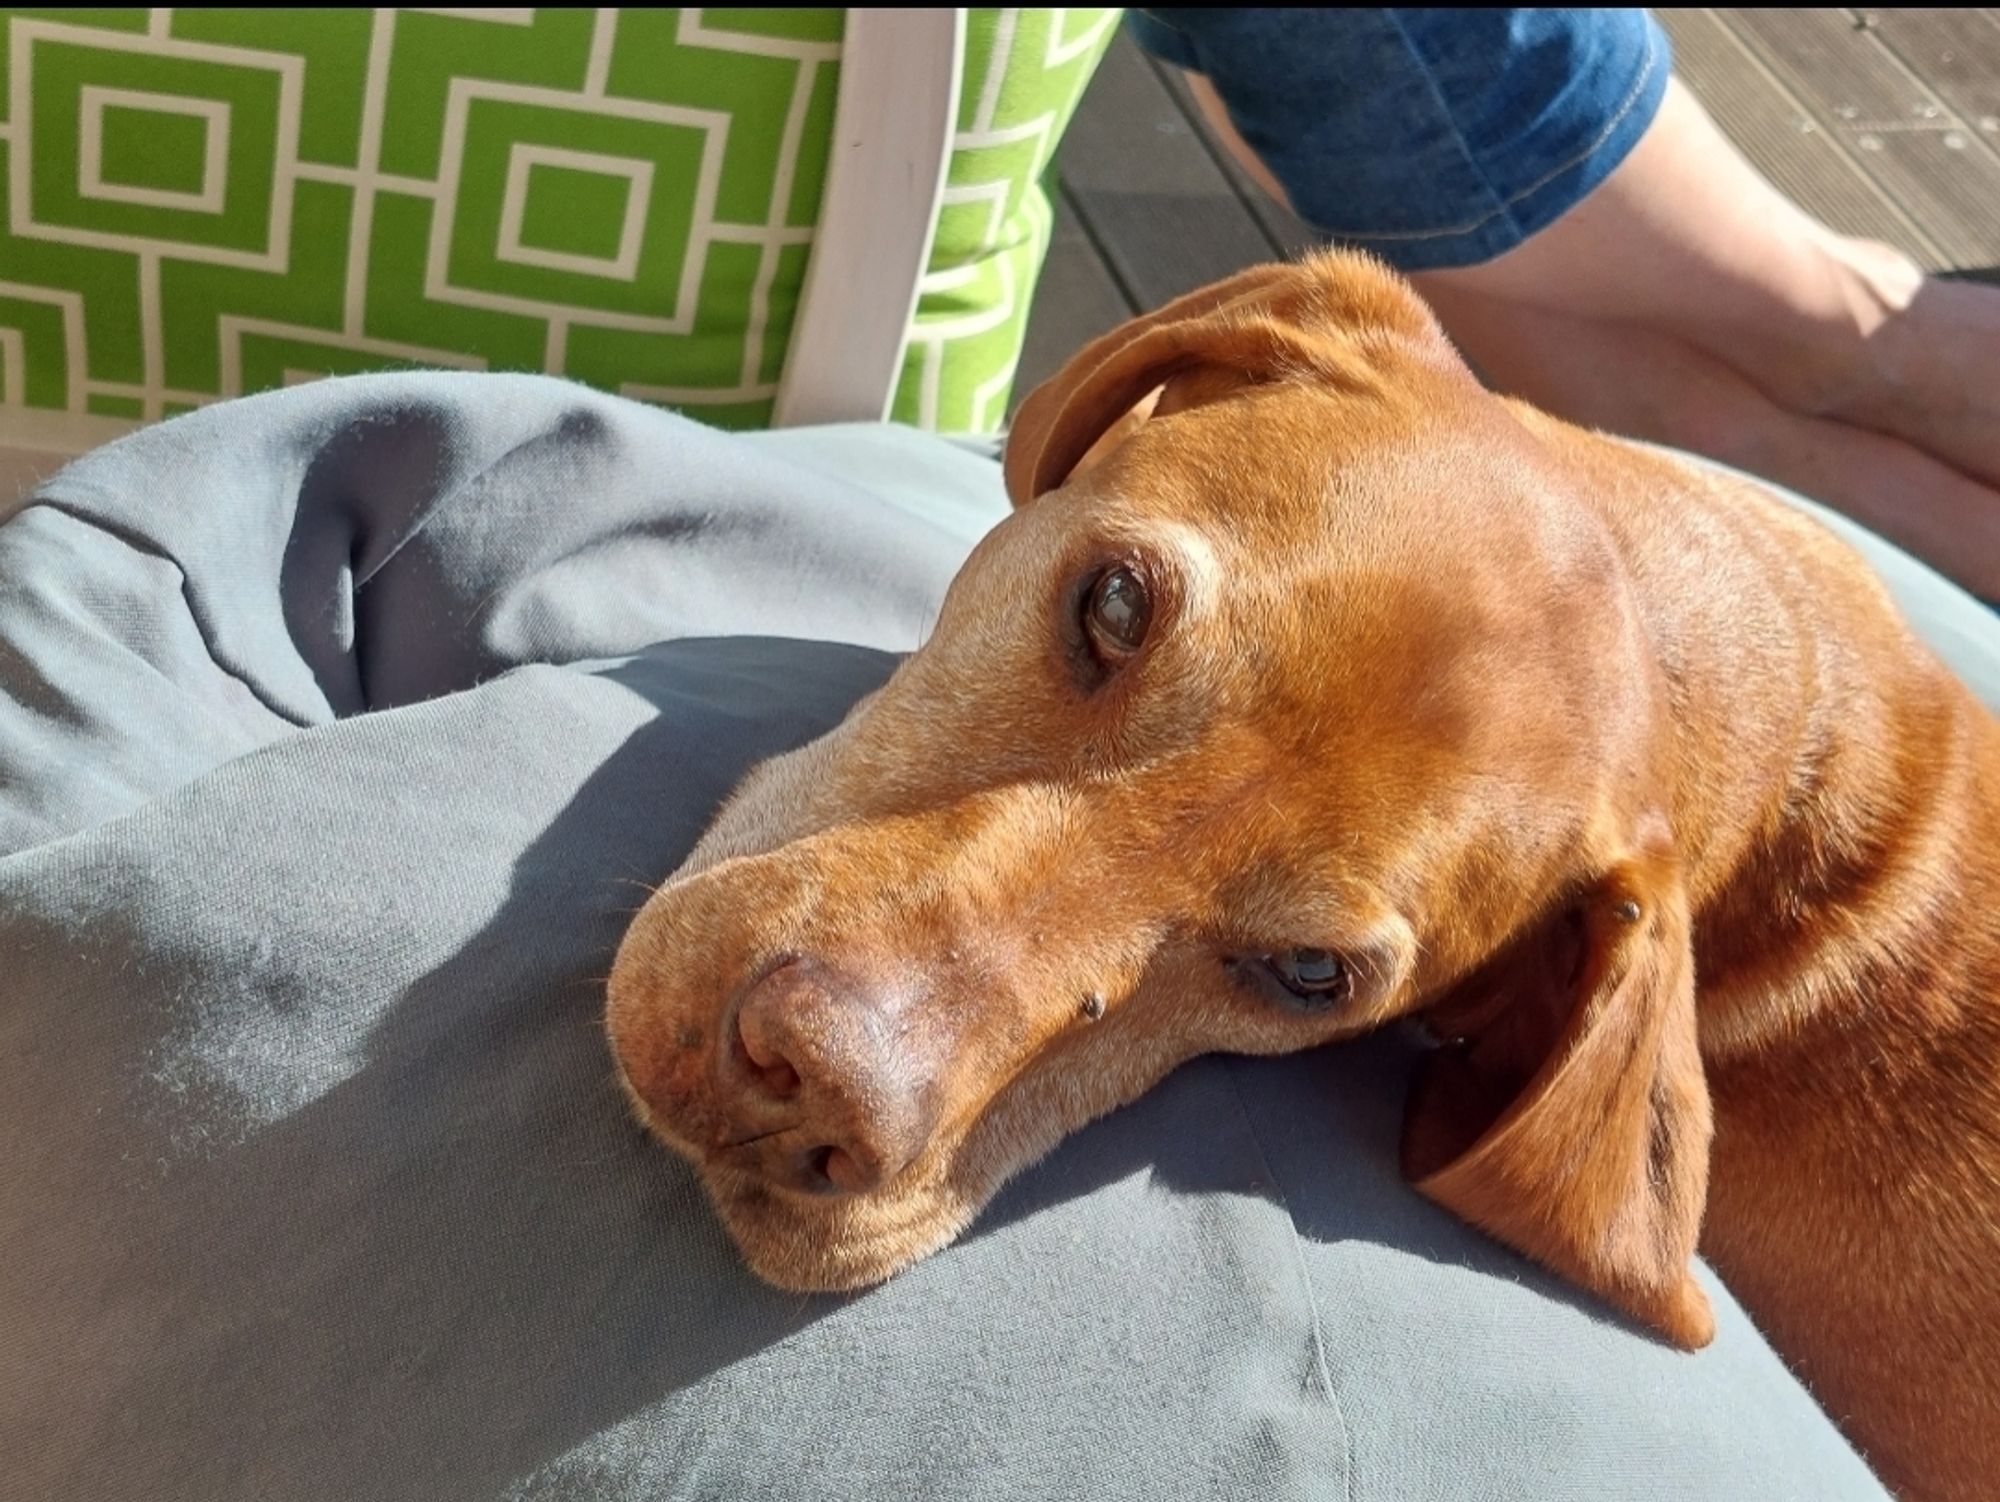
(238, 200)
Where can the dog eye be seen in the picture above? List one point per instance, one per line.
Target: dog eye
(1311, 980)
(1117, 613)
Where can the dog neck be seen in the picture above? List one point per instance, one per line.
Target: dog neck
(1847, 789)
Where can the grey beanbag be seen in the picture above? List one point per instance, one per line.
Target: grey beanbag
(340, 730)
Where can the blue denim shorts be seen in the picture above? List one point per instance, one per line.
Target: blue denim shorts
(1431, 137)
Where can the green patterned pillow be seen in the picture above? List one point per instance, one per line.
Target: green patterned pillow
(207, 202)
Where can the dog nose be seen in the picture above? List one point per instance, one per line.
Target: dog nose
(835, 1055)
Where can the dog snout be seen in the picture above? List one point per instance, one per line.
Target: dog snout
(830, 1063)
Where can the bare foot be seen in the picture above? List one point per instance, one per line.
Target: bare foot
(1928, 367)
(1633, 380)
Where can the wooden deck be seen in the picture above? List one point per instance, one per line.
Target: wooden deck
(1881, 123)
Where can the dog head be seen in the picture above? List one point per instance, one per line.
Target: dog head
(1301, 691)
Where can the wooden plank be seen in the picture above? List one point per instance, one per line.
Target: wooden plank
(1290, 236)
(1076, 300)
(1915, 146)
(1955, 52)
(1147, 190)
(1776, 130)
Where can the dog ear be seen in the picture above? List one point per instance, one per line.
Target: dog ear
(1324, 317)
(1066, 415)
(1567, 1113)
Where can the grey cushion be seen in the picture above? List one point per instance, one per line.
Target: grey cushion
(340, 730)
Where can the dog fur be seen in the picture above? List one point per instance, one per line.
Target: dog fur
(1625, 777)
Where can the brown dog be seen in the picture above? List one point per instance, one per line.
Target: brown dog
(1312, 686)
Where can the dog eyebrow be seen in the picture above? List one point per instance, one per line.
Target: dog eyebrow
(1183, 548)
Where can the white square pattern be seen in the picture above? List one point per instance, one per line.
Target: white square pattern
(214, 115)
(638, 177)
